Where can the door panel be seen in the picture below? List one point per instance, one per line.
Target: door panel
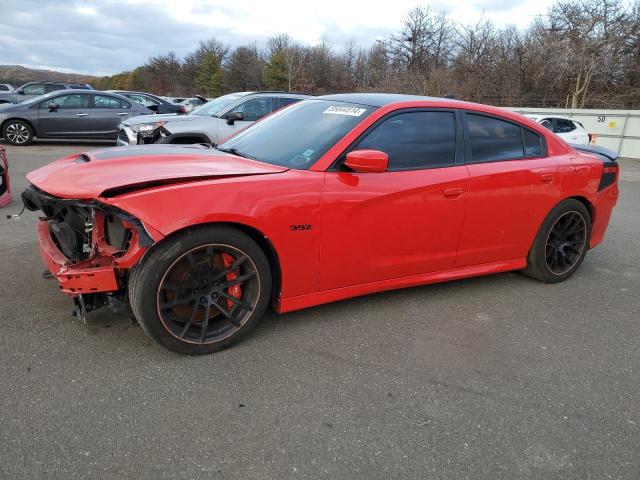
(107, 113)
(70, 120)
(379, 226)
(508, 202)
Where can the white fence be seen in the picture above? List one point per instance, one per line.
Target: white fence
(618, 130)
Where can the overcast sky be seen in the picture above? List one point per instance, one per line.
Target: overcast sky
(109, 36)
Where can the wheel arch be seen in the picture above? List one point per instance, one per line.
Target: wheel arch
(585, 201)
(180, 138)
(257, 236)
(29, 122)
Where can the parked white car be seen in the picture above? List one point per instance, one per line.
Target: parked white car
(568, 129)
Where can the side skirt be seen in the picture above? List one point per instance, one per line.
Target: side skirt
(327, 296)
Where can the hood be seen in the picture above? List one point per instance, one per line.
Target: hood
(106, 172)
(157, 117)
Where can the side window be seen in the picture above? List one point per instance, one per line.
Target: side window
(284, 101)
(564, 126)
(415, 140)
(493, 140)
(532, 143)
(67, 102)
(255, 108)
(34, 89)
(53, 88)
(142, 100)
(106, 101)
(4, 88)
(548, 124)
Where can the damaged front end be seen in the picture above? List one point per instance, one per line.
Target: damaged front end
(89, 247)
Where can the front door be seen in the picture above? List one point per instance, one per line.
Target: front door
(65, 116)
(406, 221)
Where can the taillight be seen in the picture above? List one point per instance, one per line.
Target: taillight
(183, 109)
(609, 174)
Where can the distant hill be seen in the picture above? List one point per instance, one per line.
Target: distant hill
(17, 75)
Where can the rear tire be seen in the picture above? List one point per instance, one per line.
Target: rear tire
(561, 243)
(201, 290)
(17, 132)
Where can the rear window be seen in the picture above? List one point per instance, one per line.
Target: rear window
(493, 140)
(107, 101)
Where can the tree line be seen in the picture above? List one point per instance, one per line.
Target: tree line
(580, 54)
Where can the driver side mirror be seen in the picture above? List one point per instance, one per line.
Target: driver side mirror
(53, 107)
(233, 116)
(367, 161)
(20, 92)
(153, 108)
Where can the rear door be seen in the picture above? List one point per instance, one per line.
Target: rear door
(107, 113)
(66, 115)
(405, 221)
(513, 185)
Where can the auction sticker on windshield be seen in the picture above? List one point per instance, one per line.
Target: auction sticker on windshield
(352, 111)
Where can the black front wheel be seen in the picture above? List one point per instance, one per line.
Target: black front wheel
(561, 243)
(202, 290)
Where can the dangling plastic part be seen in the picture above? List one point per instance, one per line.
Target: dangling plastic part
(5, 187)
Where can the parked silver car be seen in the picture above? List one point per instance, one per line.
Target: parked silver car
(209, 123)
(67, 114)
(35, 89)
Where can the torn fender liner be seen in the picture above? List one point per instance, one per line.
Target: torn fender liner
(89, 175)
(62, 208)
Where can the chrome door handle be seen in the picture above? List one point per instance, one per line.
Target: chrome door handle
(82, 114)
(123, 113)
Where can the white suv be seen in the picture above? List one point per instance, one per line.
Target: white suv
(568, 129)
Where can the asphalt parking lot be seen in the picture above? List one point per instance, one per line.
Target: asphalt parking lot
(494, 377)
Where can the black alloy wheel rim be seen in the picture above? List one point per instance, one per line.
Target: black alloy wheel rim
(202, 300)
(565, 243)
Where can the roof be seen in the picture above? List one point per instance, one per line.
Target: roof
(377, 99)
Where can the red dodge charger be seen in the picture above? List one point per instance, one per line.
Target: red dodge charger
(330, 198)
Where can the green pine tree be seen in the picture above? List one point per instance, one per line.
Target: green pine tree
(276, 72)
(208, 78)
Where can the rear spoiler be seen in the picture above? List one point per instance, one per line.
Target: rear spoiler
(606, 154)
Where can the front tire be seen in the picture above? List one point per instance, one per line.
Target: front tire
(202, 290)
(561, 243)
(17, 132)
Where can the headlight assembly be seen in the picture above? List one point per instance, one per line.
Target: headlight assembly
(147, 127)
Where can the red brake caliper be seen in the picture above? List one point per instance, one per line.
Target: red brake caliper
(234, 290)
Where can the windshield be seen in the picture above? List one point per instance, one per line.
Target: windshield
(215, 107)
(297, 136)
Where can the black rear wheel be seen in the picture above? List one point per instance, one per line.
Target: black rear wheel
(202, 290)
(561, 244)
